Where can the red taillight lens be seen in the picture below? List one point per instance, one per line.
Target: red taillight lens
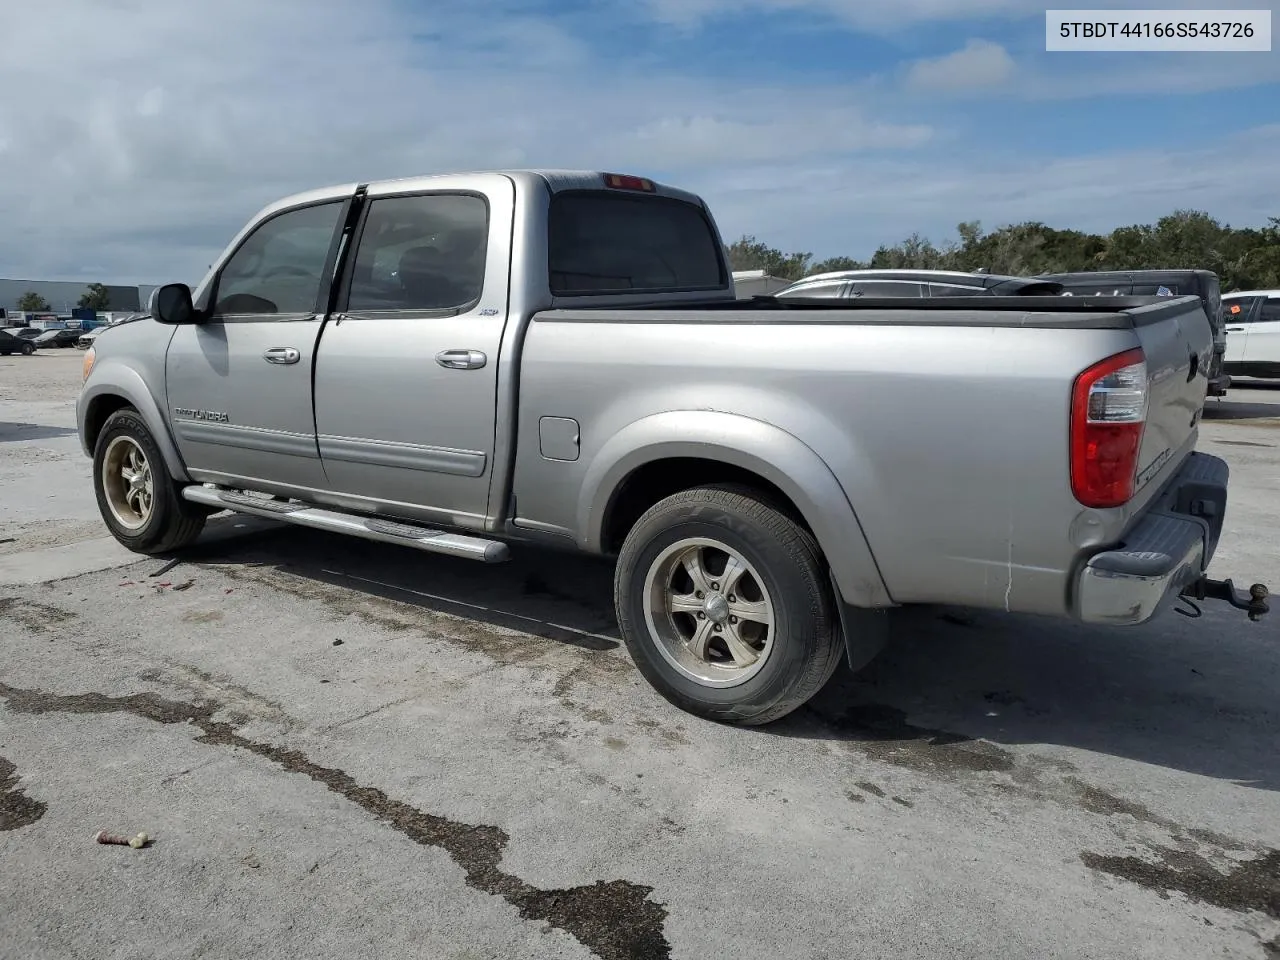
(1108, 415)
(622, 181)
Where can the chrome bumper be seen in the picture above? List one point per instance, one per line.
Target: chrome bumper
(1163, 554)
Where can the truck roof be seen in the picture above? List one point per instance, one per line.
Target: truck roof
(554, 180)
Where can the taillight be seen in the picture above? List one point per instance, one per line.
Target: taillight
(622, 181)
(1108, 415)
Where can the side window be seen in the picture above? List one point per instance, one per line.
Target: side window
(886, 288)
(1238, 310)
(423, 253)
(279, 267)
(1270, 312)
(954, 290)
(827, 289)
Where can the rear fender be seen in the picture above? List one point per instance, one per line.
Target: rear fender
(765, 450)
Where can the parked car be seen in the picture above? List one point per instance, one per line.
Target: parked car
(86, 339)
(15, 340)
(1167, 283)
(1253, 333)
(457, 363)
(65, 337)
(914, 283)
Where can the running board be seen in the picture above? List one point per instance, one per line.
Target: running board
(353, 525)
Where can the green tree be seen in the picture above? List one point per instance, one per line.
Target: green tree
(32, 302)
(747, 253)
(914, 253)
(832, 264)
(1244, 257)
(97, 297)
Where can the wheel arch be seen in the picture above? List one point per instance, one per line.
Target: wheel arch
(643, 462)
(115, 389)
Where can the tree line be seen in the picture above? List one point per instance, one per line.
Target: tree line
(1245, 258)
(97, 297)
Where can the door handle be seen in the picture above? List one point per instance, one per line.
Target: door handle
(1235, 329)
(461, 359)
(282, 355)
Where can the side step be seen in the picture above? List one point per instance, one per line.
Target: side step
(353, 525)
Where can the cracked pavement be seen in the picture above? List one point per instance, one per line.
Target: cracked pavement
(348, 749)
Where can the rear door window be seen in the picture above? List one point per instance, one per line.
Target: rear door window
(887, 288)
(954, 290)
(423, 253)
(601, 242)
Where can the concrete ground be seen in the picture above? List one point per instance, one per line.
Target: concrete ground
(347, 750)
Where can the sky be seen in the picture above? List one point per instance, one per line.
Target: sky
(137, 136)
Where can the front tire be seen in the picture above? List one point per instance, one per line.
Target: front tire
(27, 349)
(138, 499)
(725, 606)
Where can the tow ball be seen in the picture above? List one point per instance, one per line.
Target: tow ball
(1254, 602)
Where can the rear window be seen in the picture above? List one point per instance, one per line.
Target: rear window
(610, 243)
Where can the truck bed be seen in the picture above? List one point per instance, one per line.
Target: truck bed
(1093, 313)
(944, 421)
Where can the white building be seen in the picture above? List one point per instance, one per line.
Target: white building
(756, 283)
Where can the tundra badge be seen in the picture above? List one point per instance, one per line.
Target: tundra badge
(214, 415)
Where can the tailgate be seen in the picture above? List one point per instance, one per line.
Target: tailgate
(1178, 348)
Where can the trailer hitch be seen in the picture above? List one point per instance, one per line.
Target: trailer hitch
(1254, 602)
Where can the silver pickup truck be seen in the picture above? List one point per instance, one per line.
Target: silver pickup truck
(461, 363)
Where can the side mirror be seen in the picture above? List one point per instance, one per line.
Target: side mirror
(172, 304)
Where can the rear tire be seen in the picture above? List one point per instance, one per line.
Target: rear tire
(139, 501)
(27, 349)
(725, 606)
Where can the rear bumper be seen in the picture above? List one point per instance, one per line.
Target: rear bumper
(1218, 379)
(1163, 554)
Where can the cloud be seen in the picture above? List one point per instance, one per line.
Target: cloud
(879, 17)
(978, 65)
(142, 167)
(1159, 74)
(139, 167)
(681, 142)
(863, 14)
(851, 209)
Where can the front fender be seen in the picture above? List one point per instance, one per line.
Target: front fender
(111, 381)
(765, 450)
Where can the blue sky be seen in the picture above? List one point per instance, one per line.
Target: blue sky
(824, 125)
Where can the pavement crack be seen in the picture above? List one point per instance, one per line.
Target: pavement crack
(16, 808)
(616, 920)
